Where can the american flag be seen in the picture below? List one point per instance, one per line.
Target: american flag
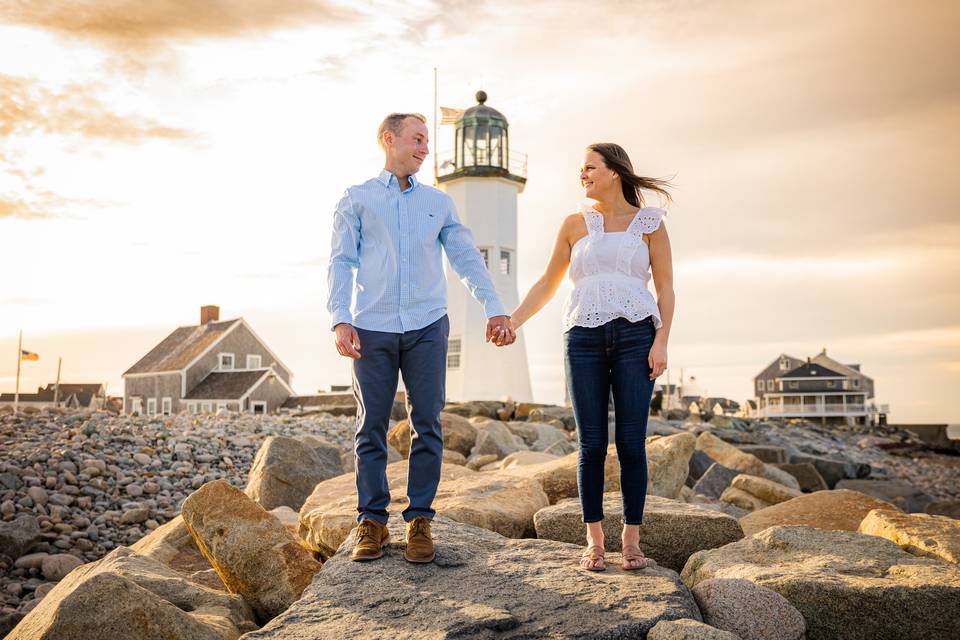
(450, 115)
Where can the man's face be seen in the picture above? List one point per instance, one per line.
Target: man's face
(409, 148)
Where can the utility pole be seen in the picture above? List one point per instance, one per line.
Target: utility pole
(56, 387)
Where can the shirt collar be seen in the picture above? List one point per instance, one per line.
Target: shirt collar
(386, 177)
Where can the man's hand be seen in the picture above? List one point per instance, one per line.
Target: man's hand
(500, 331)
(347, 340)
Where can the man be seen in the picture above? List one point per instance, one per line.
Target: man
(387, 234)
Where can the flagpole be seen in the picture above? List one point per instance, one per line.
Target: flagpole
(436, 140)
(16, 393)
(56, 388)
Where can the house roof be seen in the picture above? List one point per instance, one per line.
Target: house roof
(226, 385)
(845, 369)
(28, 397)
(179, 348)
(68, 388)
(812, 370)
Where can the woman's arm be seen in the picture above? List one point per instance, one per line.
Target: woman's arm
(661, 264)
(546, 287)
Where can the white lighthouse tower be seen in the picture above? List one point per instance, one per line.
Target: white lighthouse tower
(484, 181)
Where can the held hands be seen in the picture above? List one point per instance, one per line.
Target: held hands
(500, 331)
(657, 359)
(347, 341)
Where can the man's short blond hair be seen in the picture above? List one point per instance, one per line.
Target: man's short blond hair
(394, 124)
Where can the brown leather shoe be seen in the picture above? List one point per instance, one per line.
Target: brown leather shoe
(419, 541)
(371, 537)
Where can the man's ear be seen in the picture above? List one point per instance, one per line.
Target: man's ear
(387, 137)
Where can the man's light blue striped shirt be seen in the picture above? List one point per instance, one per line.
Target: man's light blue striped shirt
(389, 241)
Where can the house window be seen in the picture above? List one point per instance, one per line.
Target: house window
(192, 407)
(136, 406)
(166, 406)
(504, 262)
(253, 362)
(856, 383)
(151, 406)
(205, 407)
(784, 364)
(759, 385)
(258, 407)
(831, 384)
(793, 384)
(226, 361)
(769, 385)
(453, 353)
(221, 406)
(485, 252)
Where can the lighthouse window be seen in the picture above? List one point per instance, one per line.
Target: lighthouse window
(485, 252)
(453, 353)
(483, 145)
(469, 146)
(504, 262)
(496, 158)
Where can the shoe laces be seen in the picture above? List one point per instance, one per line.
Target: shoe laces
(420, 527)
(365, 530)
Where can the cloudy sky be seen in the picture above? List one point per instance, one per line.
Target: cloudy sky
(158, 156)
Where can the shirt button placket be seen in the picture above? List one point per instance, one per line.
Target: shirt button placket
(404, 262)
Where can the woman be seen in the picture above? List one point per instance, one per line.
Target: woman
(615, 332)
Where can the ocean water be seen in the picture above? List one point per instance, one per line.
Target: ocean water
(953, 431)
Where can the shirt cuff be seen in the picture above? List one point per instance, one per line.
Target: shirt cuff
(493, 308)
(339, 318)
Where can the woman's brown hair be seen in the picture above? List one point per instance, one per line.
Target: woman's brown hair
(618, 161)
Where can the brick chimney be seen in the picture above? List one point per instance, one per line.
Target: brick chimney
(209, 313)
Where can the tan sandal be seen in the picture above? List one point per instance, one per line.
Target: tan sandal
(633, 558)
(590, 558)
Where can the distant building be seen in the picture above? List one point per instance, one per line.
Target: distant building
(818, 387)
(720, 406)
(69, 396)
(205, 368)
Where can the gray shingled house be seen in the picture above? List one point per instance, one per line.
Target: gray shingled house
(207, 367)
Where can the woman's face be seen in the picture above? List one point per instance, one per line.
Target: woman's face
(595, 178)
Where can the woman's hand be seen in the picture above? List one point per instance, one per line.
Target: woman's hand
(657, 359)
(503, 339)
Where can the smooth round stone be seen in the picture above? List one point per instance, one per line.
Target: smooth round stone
(134, 490)
(151, 488)
(142, 458)
(8, 508)
(38, 494)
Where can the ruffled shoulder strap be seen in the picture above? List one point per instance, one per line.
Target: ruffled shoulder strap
(593, 218)
(647, 221)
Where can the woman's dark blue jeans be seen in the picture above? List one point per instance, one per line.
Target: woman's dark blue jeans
(598, 359)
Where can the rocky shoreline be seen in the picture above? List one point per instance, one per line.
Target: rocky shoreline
(78, 488)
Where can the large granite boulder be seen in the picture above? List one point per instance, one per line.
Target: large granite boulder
(838, 510)
(499, 501)
(729, 455)
(807, 476)
(494, 438)
(285, 471)
(687, 629)
(523, 458)
(668, 458)
(699, 463)
(668, 463)
(750, 611)
(919, 533)
(833, 470)
(715, 480)
(845, 584)
(769, 453)
(129, 595)
(542, 437)
(670, 533)
(559, 478)
(172, 545)
(767, 490)
(252, 552)
(903, 495)
(733, 458)
(458, 434)
(742, 499)
(481, 585)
